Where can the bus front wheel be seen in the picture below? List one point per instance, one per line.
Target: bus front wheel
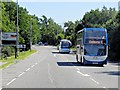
(101, 65)
(81, 61)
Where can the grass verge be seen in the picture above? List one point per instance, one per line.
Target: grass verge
(73, 48)
(10, 60)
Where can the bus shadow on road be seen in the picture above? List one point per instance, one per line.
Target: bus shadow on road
(59, 53)
(68, 64)
(116, 73)
(55, 53)
(77, 64)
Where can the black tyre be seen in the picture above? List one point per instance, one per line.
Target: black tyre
(81, 61)
(101, 65)
(77, 58)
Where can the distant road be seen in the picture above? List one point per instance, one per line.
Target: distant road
(47, 68)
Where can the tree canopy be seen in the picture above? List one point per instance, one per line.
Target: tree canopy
(43, 29)
(47, 30)
(104, 18)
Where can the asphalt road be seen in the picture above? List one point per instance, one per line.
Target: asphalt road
(49, 69)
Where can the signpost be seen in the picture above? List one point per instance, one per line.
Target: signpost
(8, 39)
(30, 34)
(0, 38)
(0, 43)
(17, 43)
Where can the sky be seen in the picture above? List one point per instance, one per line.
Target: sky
(62, 12)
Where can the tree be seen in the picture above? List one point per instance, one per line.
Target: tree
(49, 30)
(115, 40)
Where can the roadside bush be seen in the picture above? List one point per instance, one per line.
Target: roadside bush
(7, 50)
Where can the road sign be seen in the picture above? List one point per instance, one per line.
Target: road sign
(9, 36)
(21, 46)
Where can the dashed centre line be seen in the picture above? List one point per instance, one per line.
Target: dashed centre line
(104, 87)
(83, 74)
(36, 63)
(28, 69)
(11, 81)
(21, 74)
(94, 81)
(78, 69)
(86, 75)
(32, 65)
(54, 55)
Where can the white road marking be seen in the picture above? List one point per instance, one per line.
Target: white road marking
(74, 66)
(86, 75)
(78, 69)
(83, 74)
(36, 63)
(7, 66)
(11, 81)
(50, 76)
(116, 66)
(28, 69)
(21, 74)
(112, 65)
(54, 55)
(92, 67)
(104, 87)
(0, 88)
(94, 81)
(32, 65)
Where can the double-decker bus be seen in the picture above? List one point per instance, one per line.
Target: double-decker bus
(92, 46)
(64, 46)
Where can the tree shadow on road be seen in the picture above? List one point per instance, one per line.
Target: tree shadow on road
(116, 73)
(117, 63)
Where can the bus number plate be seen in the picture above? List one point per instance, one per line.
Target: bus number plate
(95, 63)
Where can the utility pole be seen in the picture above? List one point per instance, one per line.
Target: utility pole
(0, 33)
(1, 44)
(119, 6)
(16, 50)
(30, 34)
(65, 28)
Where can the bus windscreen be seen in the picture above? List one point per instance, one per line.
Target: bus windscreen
(65, 44)
(95, 37)
(95, 41)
